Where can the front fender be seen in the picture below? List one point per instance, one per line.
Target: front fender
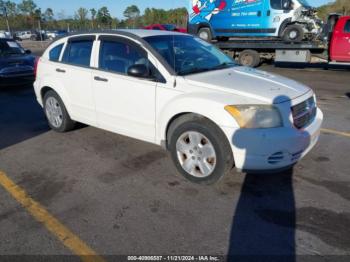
(204, 104)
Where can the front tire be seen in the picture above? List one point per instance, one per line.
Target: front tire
(199, 149)
(293, 33)
(56, 113)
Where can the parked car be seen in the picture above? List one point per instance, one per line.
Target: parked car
(55, 34)
(290, 20)
(4, 34)
(38, 36)
(24, 35)
(16, 64)
(178, 91)
(166, 27)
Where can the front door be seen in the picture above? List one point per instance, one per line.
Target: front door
(341, 46)
(124, 104)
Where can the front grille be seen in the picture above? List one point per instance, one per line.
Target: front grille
(275, 158)
(304, 113)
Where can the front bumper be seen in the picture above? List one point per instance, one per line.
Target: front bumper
(272, 149)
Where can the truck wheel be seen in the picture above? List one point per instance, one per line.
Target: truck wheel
(199, 149)
(205, 34)
(250, 58)
(293, 33)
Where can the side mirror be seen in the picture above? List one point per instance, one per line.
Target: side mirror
(140, 71)
(28, 52)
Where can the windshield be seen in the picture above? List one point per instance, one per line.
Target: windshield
(10, 48)
(189, 55)
(304, 3)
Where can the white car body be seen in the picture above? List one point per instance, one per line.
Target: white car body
(4, 34)
(143, 109)
(25, 35)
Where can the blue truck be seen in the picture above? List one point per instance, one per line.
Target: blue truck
(288, 20)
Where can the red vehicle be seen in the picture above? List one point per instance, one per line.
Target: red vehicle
(166, 27)
(339, 50)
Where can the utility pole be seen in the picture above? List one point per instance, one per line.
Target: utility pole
(7, 19)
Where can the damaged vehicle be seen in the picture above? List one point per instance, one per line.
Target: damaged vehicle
(289, 20)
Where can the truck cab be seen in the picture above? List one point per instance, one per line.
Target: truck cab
(291, 20)
(339, 50)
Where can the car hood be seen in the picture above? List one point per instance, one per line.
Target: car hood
(251, 83)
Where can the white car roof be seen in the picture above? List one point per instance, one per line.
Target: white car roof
(146, 33)
(138, 33)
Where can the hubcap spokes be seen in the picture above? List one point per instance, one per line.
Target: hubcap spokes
(54, 112)
(196, 154)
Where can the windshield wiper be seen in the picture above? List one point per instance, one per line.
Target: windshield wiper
(193, 71)
(205, 69)
(223, 66)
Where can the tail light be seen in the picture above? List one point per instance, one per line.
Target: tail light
(36, 63)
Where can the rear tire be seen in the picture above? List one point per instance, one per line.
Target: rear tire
(293, 33)
(205, 34)
(250, 58)
(199, 146)
(56, 113)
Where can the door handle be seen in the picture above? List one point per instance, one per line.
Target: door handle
(268, 13)
(97, 78)
(60, 70)
(259, 13)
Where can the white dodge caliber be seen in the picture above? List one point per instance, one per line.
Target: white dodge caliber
(180, 92)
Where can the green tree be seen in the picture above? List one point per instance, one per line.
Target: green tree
(103, 17)
(93, 13)
(81, 16)
(27, 7)
(338, 6)
(48, 14)
(132, 13)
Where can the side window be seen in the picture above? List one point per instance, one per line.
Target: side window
(78, 53)
(54, 54)
(276, 4)
(119, 56)
(347, 27)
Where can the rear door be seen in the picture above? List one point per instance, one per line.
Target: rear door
(76, 74)
(340, 48)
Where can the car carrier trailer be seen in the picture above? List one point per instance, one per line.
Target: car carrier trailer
(251, 52)
(334, 47)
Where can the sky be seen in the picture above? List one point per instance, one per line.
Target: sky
(117, 7)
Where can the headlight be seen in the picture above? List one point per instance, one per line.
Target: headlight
(256, 116)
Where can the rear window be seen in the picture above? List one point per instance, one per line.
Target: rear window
(78, 53)
(55, 53)
(8, 47)
(347, 27)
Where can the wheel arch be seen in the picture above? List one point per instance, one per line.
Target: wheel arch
(285, 23)
(203, 25)
(59, 89)
(172, 112)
